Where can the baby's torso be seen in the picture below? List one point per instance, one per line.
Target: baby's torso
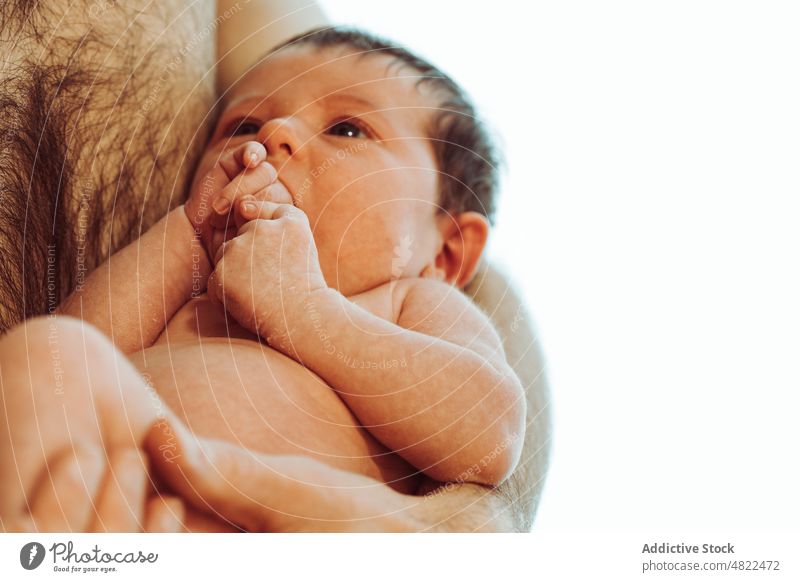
(226, 384)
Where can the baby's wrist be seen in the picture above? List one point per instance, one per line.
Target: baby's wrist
(189, 228)
(184, 221)
(285, 325)
(186, 236)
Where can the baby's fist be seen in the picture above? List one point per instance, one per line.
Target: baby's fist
(264, 274)
(218, 187)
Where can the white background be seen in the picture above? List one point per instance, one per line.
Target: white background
(650, 213)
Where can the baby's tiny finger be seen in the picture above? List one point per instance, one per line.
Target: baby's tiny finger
(248, 182)
(258, 209)
(253, 153)
(266, 210)
(240, 217)
(234, 159)
(249, 208)
(275, 192)
(165, 515)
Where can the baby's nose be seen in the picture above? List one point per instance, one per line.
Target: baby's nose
(280, 136)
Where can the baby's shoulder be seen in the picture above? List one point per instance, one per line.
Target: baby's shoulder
(383, 301)
(389, 300)
(386, 300)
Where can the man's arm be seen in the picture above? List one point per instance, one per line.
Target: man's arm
(247, 30)
(520, 493)
(133, 295)
(276, 493)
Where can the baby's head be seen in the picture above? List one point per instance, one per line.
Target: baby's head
(380, 149)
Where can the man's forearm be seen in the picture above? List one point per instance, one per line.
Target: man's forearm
(464, 507)
(132, 296)
(281, 493)
(441, 406)
(492, 291)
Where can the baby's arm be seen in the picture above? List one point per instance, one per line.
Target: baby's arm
(427, 377)
(432, 383)
(133, 295)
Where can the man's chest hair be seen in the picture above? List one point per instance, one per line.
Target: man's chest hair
(93, 147)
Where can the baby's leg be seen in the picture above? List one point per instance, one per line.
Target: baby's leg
(73, 415)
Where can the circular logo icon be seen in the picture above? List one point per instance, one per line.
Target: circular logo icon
(31, 555)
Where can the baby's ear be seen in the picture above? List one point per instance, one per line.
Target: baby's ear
(463, 240)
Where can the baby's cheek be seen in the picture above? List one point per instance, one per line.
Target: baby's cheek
(375, 246)
(372, 229)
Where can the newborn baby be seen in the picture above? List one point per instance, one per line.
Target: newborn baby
(342, 200)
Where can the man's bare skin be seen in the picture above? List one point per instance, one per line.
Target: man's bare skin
(74, 86)
(125, 82)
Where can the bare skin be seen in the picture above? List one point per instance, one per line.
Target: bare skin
(70, 70)
(162, 185)
(251, 395)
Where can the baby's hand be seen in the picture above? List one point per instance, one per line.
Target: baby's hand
(264, 274)
(240, 172)
(206, 189)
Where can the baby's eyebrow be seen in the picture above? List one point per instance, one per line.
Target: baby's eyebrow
(351, 97)
(238, 101)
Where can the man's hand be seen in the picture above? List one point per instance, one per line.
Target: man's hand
(265, 273)
(83, 489)
(71, 455)
(275, 493)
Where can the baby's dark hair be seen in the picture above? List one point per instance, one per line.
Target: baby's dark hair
(466, 157)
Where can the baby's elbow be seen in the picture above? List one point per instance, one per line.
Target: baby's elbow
(502, 448)
(489, 461)
(491, 456)
(499, 463)
(489, 469)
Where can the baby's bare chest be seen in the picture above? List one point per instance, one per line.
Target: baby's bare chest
(242, 391)
(246, 393)
(226, 384)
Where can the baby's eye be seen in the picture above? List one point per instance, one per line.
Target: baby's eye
(346, 129)
(244, 128)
